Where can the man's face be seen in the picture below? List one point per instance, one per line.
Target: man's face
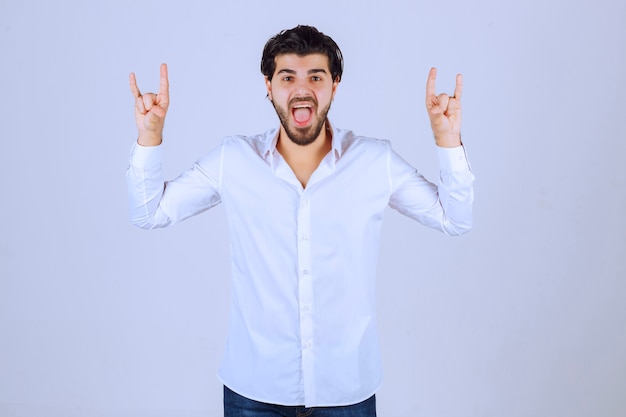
(301, 91)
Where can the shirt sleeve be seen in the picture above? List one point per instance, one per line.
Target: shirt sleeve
(157, 203)
(446, 207)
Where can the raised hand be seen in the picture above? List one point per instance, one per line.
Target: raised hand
(444, 112)
(150, 110)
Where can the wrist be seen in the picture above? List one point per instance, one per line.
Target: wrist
(448, 141)
(149, 139)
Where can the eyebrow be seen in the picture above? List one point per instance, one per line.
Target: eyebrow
(311, 71)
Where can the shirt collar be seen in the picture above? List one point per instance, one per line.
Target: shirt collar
(271, 139)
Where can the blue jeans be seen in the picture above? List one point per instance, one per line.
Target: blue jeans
(236, 405)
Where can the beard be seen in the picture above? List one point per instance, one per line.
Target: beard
(302, 135)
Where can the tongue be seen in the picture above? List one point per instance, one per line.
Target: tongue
(302, 114)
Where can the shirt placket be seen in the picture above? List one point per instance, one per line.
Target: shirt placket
(305, 297)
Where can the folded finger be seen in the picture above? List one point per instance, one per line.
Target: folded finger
(149, 100)
(443, 99)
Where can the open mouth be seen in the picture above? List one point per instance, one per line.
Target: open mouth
(302, 114)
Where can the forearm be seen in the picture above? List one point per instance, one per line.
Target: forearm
(158, 203)
(446, 207)
(145, 185)
(455, 191)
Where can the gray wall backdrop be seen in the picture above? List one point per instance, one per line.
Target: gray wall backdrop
(524, 316)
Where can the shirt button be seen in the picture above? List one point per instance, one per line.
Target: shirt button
(305, 272)
(305, 308)
(305, 237)
(305, 202)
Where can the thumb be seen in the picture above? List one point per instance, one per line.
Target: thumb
(154, 119)
(157, 112)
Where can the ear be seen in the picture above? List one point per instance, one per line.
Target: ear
(335, 85)
(268, 86)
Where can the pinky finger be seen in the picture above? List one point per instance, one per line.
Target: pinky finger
(458, 89)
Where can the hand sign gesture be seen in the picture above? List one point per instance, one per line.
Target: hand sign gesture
(150, 110)
(444, 112)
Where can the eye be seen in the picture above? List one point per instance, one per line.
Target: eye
(316, 78)
(287, 78)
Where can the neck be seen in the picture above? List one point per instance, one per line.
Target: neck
(304, 160)
(314, 151)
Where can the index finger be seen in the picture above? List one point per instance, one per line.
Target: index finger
(164, 84)
(133, 85)
(430, 84)
(458, 89)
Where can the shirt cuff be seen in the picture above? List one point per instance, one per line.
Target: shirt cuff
(146, 157)
(453, 159)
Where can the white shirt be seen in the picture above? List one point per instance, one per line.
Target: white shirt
(302, 317)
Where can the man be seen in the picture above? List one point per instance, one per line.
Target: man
(304, 204)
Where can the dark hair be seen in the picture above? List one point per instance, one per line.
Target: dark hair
(301, 40)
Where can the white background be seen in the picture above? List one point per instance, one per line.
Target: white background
(524, 316)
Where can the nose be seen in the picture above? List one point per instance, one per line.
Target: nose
(301, 87)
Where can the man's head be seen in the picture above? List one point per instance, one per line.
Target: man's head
(302, 69)
(301, 40)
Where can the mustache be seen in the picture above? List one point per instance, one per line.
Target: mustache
(302, 100)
